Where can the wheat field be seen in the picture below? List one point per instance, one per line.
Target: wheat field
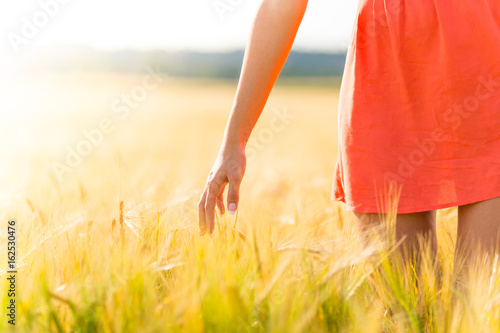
(111, 244)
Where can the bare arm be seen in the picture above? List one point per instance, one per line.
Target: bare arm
(271, 39)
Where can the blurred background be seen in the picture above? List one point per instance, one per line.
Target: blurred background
(94, 92)
(112, 114)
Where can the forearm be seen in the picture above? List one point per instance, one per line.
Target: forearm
(271, 39)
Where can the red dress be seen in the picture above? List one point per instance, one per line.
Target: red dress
(419, 108)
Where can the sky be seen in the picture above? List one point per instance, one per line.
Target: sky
(200, 25)
(135, 24)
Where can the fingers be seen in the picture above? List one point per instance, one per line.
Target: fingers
(233, 196)
(231, 173)
(211, 199)
(212, 195)
(220, 203)
(201, 214)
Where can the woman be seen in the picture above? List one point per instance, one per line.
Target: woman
(419, 115)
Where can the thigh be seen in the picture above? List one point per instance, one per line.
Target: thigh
(479, 224)
(408, 227)
(405, 223)
(411, 225)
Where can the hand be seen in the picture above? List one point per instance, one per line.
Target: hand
(229, 168)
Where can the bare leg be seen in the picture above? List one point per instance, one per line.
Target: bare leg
(478, 232)
(409, 227)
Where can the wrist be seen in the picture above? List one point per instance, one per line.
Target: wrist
(235, 138)
(234, 145)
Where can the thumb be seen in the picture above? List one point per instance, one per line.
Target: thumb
(233, 196)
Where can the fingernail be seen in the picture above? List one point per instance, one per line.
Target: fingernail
(232, 208)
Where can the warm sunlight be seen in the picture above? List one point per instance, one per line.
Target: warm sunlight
(188, 24)
(249, 166)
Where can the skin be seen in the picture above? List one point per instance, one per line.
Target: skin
(270, 42)
(409, 227)
(478, 232)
